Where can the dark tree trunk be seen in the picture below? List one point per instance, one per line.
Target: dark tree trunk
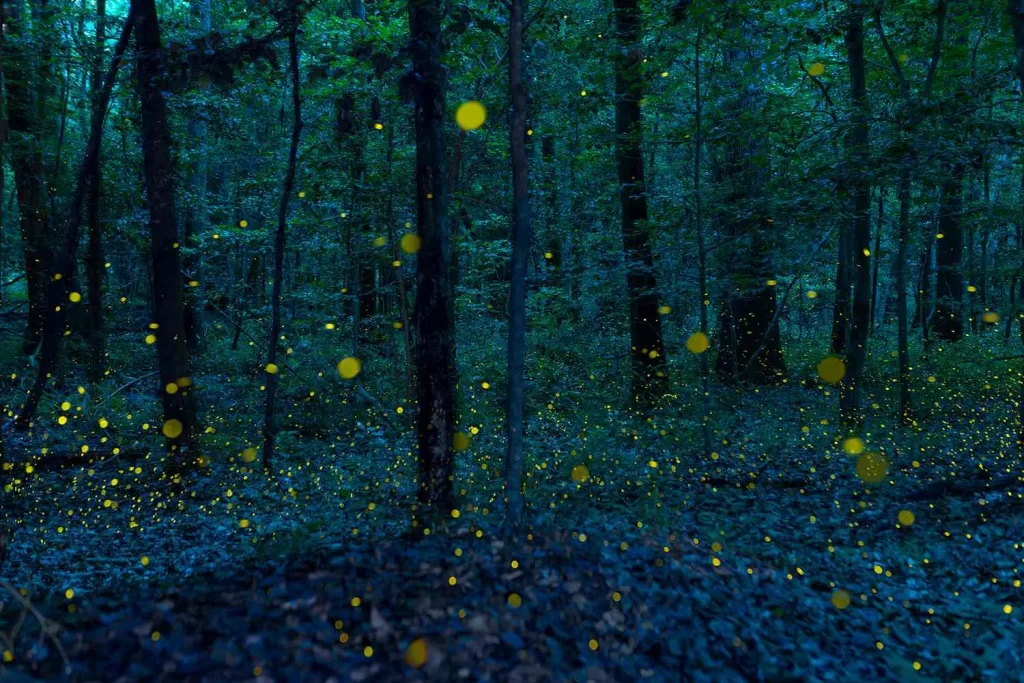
(521, 234)
(433, 312)
(94, 261)
(903, 341)
(857, 345)
(650, 371)
(171, 347)
(269, 428)
(26, 99)
(949, 282)
(58, 291)
(923, 313)
(876, 261)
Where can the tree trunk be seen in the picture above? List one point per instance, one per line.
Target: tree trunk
(94, 261)
(521, 235)
(172, 351)
(856, 349)
(59, 295)
(876, 260)
(434, 325)
(649, 368)
(948, 321)
(269, 428)
(903, 342)
(26, 98)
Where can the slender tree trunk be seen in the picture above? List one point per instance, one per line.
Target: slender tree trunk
(269, 428)
(433, 313)
(856, 349)
(172, 351)
(903, 342)
(650, 371)
(521, 235)
(94, 260)
(876, 260)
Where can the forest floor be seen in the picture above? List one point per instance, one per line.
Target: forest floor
(655, 565)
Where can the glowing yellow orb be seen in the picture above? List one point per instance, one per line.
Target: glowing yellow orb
(471, 115)
(416, 653)
(872, 467)
(173, 428)
(697, 343)
(349, 367)
(411, 243)
(832, 369)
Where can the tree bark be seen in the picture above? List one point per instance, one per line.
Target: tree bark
(433, 311)
(521, 235)
(58, 290)
(647, 348)
(269, 428)
(876, 259)
(903, 341)
(27, 93)
(856, 349)
(172, 350)
(94, 260)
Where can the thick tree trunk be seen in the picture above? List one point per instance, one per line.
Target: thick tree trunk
(433, 312)
(172, 350)
(521, 235)
(26, 99)
(856, 348)
(949, 281)
(650, 370)
(269, 428)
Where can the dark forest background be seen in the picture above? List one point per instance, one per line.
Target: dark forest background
(507, 340)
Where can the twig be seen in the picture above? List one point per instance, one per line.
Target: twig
(46, 626)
